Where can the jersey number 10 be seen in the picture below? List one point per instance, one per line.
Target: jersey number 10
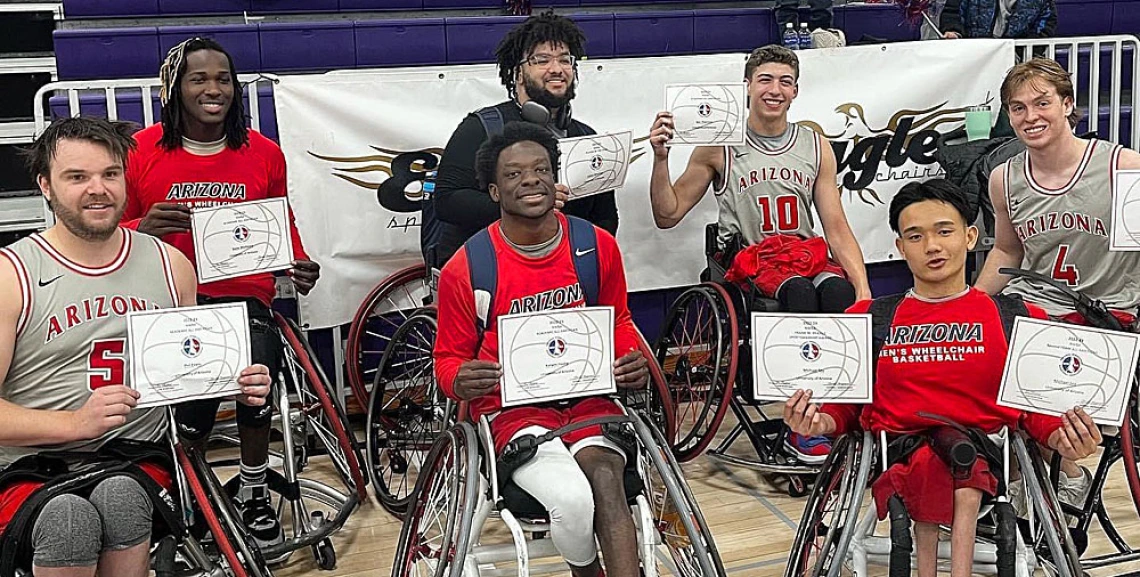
(784, 218)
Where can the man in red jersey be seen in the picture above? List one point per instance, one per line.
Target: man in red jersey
(577, 479)
(956, 377)
(203, 155)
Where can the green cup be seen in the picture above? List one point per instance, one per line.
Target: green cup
(978, 122)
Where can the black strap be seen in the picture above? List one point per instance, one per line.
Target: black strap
(882, 316)
(1009, 308)
(584, 246)
(492, 120)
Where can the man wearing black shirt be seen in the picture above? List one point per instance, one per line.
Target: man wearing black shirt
(538, 64)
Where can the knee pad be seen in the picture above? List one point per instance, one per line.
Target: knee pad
(125, 510)
(195, 419)
(67, 533)
(797, 295)
(836, 295)
(255, 417)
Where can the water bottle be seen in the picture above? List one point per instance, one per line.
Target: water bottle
(805, 37)
(791, 39)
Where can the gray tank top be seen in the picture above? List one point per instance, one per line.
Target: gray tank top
(72, 332)
(1065, 233)
(768, 192)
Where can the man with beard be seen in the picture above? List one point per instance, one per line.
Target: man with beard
(64, 299)
(200, 155)
(538, 65)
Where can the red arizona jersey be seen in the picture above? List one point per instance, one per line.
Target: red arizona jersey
(255, 172)
(524, 285)
(943, 358)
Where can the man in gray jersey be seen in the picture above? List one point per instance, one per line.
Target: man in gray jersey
(765, 190)
(64, 297)
(1052, 209)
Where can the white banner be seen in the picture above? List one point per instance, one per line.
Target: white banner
(346, 133)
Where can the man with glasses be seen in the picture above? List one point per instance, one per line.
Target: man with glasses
(538, 66)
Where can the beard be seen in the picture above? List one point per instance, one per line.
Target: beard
(75, 224)
(537, 93)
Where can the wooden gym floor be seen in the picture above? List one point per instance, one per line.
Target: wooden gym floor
(753, 522)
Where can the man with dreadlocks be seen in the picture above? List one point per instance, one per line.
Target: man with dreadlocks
(538, 66)
(202, 154)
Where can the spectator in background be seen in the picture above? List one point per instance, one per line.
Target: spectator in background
(999, 19)
(788, 11)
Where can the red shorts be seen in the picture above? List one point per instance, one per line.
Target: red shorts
(778, 258)
(1128, 320)
(511, 421)
(15, 494)
(926, 487)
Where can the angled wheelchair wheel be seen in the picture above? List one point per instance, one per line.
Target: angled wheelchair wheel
(406, 413)
(237, 548)
(655, 401)
(437, 525)
(673, 514)
(1050, 540)
(383, 311)
(1130, 446)
(322, 411)
(697, 352)
(832, 511)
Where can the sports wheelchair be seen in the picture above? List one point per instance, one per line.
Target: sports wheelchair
(837, 534)
(705, 353)
(310, 420)
(203, 534)
(458, 490)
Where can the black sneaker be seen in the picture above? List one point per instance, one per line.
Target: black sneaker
(259, 517)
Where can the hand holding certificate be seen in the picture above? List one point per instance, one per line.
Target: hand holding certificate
(707, 114)
(233, 240)
(187, 353)
(556, 355)
(596, 163)
(828, 355)
(1054, 367)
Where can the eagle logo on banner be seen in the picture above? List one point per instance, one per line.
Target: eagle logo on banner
(861, 149)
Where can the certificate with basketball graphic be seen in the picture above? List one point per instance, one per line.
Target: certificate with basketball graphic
(1125, 211)
(555, 355)
(188, 353)
(596, 163)
(829, 355)
(707, 114)
(1053, 367)
(233, 240)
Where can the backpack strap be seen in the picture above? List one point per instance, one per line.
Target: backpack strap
(584, 247)
(882, 315)
(483, 267)
(492, 120)
(1009, 308)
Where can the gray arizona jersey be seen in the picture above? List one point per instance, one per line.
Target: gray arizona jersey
(1065, 233)
(72, 332)
(768, 192)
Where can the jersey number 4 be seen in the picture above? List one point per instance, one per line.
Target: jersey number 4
(1063, 271)
(107, 363)
(785, 217)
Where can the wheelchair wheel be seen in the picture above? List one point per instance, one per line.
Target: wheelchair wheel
(406, 413)
(832, 511)
(1130, 446)
(231, 538)
(323, 412)
(383, 311)
(674, 513)
(654, 401)
(697, 352)
(437, 525)
(1051, 540)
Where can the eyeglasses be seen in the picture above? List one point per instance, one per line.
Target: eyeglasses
(543, 60)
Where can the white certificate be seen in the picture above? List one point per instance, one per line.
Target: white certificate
(1125, 235)
(555, 355)
(596, 163)
(1053, 367)
(187, 353)
(235, 240)
(707, 114)
(826, 354)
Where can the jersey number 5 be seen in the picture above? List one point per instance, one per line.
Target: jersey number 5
(786, 215)
(107, 363)
(1065, 272)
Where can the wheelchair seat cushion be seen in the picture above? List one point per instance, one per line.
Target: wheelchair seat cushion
(524, 506)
